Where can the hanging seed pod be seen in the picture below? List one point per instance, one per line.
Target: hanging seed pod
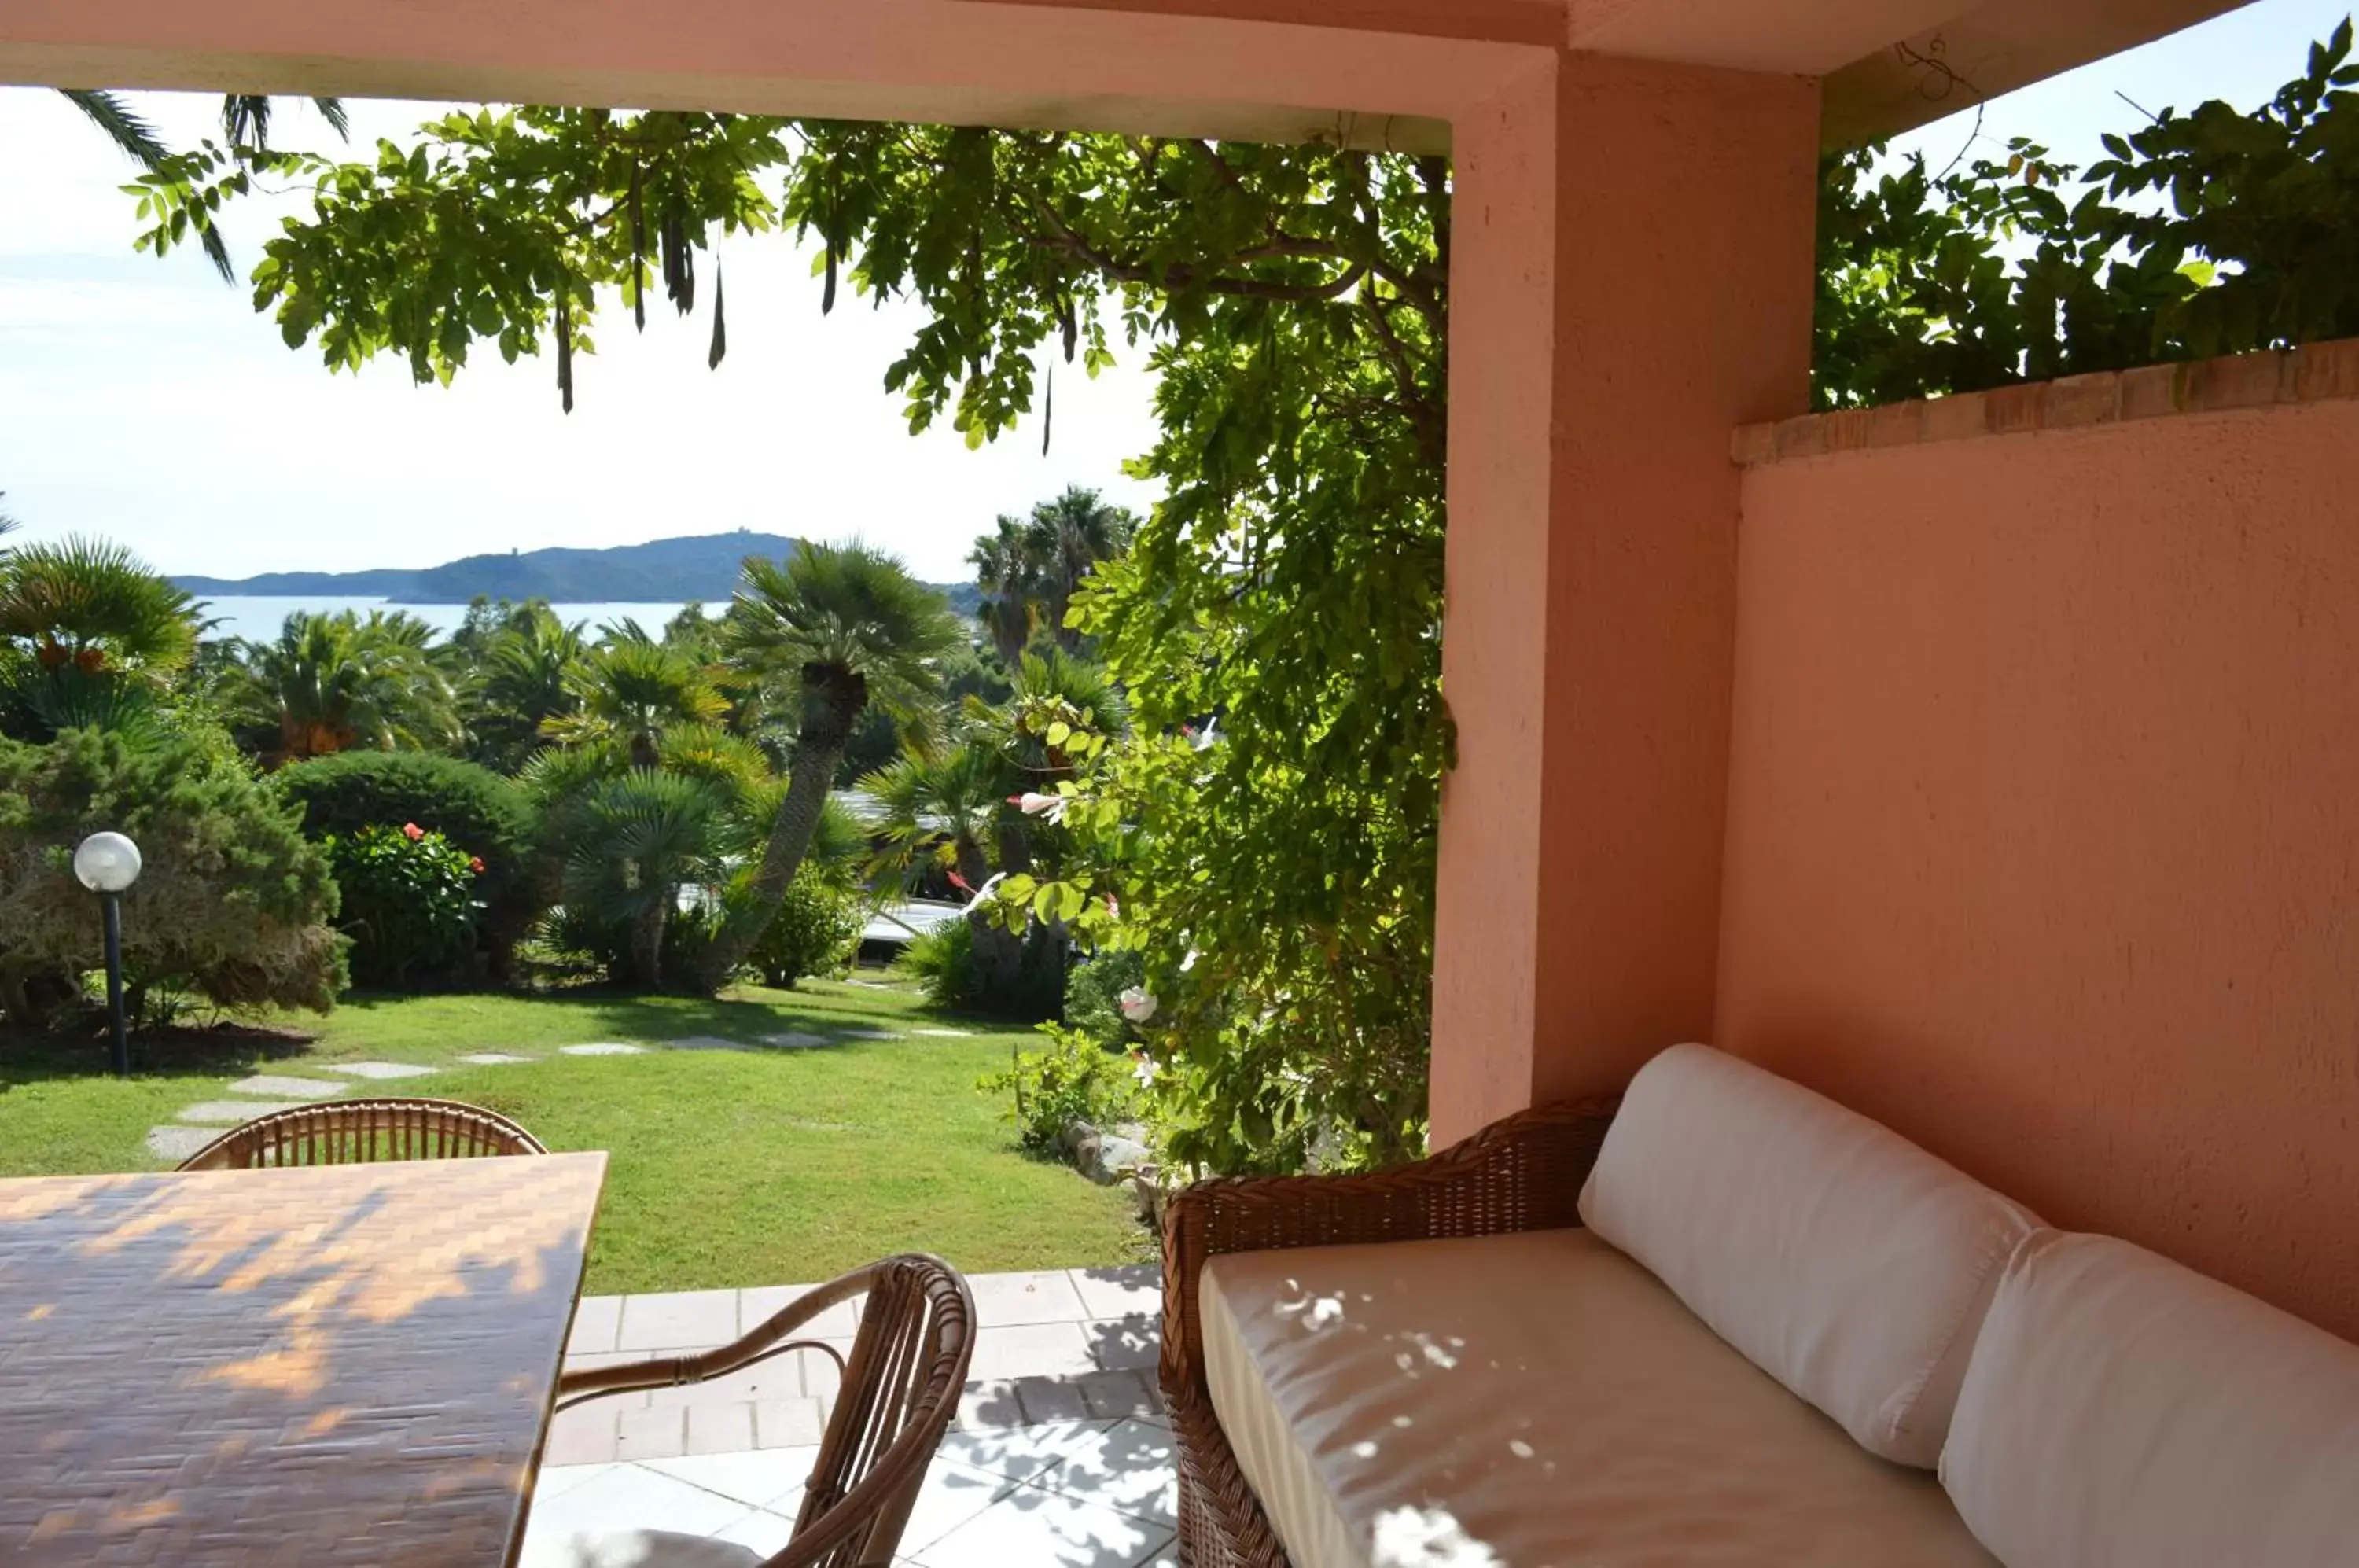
(638, 244)
(564, 346)
(720, 349)
(1049, 410)
(1071, 325)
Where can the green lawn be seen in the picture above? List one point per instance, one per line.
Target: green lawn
(727, 1168)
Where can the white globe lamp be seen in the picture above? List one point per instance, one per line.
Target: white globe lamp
(108, 863)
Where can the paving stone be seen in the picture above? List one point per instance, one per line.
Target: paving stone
(700, 1042)
(794, 1042)
(789, 1423)
(1118, 1344)
(177, 1143)
(871, 1034)
(756, 1304)
(721, 1429)
(282, 1088)
(678, 1320)
(492, 1058)
(383, 1069)
(1121, 1396)
(652, 1434)
(945, 1034)
(583, 1435)
(1130, 1290)
(1048, 1296)
(989, 1405)
(236, 1110)
(596, 1320)
(1032, 1350)
(1051, 1399)
(603, 1048)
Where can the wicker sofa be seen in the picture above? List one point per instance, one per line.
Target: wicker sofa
(1725, 1322)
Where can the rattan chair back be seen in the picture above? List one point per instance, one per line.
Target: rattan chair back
(901, 1387)
(360, 1132)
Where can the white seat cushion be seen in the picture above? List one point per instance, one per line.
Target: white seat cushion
(1532, 1401)
(2122, 1412)
(1847, 1262)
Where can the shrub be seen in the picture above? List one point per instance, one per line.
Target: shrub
(941, 961)
(1094, 995)
(481, 813)
(947, 962)
(1072, 1078)
(231, 905)
(813, 932)
(409, 901)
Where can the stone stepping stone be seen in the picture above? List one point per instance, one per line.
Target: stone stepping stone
(603, 1048)
(382, 1069)
(235, 1111)
(281, 1088)
(873, 1034)
(492, 1058)
(945, 1034)
(177, 1143)
(795, 1041)
(703, 1042)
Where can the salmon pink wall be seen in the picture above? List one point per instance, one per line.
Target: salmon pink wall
(2043, 823)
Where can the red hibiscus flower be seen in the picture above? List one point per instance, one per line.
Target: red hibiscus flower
(412, 832)
(475, 864)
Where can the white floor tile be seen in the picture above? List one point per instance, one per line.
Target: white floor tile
(1131, 1469)
(765, 1532)
(554, 1480)
(1032, 1527)
(757, 1479)
(1041, 1298)
(629, 1496)
(1016, 1453)
(952, 1495)
(1031, 1350)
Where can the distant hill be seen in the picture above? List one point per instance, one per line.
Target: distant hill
(703, 567)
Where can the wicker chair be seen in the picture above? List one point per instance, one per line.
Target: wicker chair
(358, 1132)
(900, 1388)
(1523, 1173)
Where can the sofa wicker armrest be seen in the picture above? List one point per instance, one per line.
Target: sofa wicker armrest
(1523, 1173)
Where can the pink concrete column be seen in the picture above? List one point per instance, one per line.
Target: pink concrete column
(1632, 280)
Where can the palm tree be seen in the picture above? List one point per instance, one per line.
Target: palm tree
(527, 680)
(95, 605)
(1069, 536)
(851, 626)
(331, 682)
(1006, 571)
(630, 693)
(245, 121)
(89, 635)
(948, 807)
(1030, 568)
(637, 841)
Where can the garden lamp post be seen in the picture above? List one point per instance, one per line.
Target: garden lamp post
(108, 863)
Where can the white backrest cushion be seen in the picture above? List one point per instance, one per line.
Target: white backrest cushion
(2122, 1412)
(1841, 1258)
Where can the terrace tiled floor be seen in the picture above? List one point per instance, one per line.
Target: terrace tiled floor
(1059, 1455)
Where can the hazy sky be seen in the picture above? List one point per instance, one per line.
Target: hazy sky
(146, 402)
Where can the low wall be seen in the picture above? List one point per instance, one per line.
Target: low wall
(2043, 825)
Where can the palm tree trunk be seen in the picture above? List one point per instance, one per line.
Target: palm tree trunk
(817, 755)
(647, 941)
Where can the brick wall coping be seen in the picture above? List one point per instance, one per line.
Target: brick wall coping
(2311, 374)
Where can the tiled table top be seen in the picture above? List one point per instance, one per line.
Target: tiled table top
(323, 1365)
(1060, 1456)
